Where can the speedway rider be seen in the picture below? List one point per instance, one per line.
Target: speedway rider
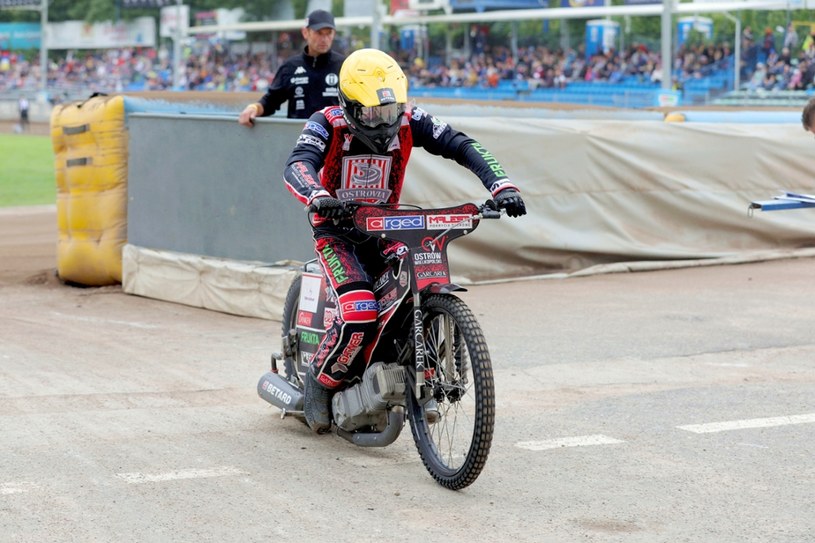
(359, 151)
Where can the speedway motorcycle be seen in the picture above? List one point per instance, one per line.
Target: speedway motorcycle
(429, 361)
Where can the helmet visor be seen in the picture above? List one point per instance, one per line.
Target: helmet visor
(374, 116)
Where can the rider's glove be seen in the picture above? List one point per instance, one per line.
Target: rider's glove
(511, 200)
(329, 208)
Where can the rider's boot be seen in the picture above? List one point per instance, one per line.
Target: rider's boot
(317, 405)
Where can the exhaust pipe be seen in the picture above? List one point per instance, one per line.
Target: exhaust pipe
(396, 420)
(279, 392)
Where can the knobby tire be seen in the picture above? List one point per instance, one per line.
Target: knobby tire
(290, 310)
(454, 449)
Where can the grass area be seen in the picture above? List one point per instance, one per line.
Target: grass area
(26, 170)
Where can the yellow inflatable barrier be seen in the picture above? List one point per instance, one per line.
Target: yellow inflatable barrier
(90, 148)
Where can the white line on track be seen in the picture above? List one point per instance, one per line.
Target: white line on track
(95, 320)
(577, 441)
(748, 423)
(138, 478)
(16, 487)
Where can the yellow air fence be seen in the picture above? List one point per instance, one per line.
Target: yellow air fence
(90, 148)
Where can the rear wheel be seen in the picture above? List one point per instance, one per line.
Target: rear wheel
(453, 421)
(291, 347)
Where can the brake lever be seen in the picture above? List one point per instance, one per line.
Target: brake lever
(490, 210)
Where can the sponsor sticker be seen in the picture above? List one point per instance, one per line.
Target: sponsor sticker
(301, 175)
(310, 292)
(334, 264)
(359, 306)
(418, 113)
(304, 318)
(308, 139)
(272, 390)
(310, 338)
(431, 274)
(348, 354)
(404, 222)
(427, 258)
(381, 282)
(365, 178)
(385, 95)
(387, 299)
(455, 221)
(498, 186)
(317, 128)
(438, 128)
(491, 161)
(329, 315)
(434, 243)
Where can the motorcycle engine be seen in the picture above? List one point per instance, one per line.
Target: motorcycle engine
(366, 403)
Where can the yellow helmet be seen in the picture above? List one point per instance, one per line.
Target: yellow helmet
(373, 94)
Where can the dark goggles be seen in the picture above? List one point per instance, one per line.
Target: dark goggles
(374, 116)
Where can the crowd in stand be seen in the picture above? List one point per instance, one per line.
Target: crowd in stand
(117, 70)
(790, 68)
(215, 67)
(541, 67)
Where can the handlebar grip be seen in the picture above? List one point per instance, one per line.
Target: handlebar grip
(348, 209)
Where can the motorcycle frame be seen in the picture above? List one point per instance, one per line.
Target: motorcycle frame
(421, 270)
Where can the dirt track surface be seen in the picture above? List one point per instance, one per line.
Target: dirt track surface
(124, 418)
(28, 244)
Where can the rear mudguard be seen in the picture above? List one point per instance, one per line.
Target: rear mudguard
(445, 288)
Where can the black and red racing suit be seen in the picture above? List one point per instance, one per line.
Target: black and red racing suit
(328, 161)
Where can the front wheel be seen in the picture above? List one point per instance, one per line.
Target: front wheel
(453, 421)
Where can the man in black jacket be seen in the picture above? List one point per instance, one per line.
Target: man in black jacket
(308, 81)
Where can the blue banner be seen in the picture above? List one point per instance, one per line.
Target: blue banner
(20, 35)
(147, 3)
(582, 3)
(491, 5)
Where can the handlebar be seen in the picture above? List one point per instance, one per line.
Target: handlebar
(487, 210)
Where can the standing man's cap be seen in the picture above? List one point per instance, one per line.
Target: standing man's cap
(319, 19)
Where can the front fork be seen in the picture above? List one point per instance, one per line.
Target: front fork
(418, 345)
